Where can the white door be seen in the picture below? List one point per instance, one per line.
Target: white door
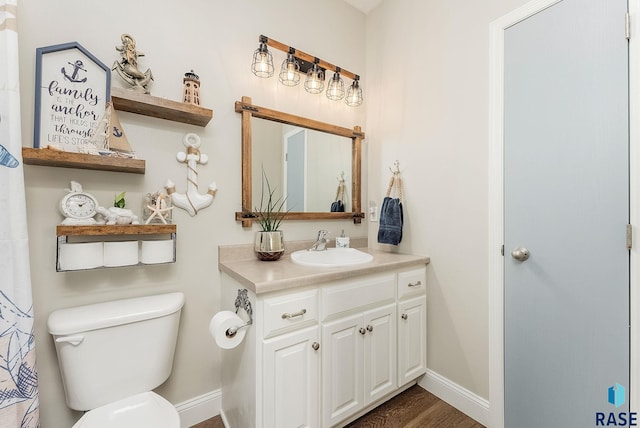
(566, 206)
(291, 390)
(295, 171)
(380, 347)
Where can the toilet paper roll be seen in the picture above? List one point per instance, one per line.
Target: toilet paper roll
(123, 253)
(157, 252)
(78, 256)
(220, 323)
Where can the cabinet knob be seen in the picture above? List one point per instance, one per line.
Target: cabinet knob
(414, 284)
(362, 331)
(404, 316)
(315, 346)
(369, 328)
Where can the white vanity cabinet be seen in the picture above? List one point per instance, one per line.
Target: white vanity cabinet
(291, 381)
(320, 355)
(412, 325)
(291, 361)
(359, 340)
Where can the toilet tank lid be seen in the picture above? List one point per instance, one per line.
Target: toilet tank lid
(113, 313)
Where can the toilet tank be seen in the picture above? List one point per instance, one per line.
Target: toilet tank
(112, 350)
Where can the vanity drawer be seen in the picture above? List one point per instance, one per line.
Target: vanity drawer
(412, 283)
(354, 294)
(292, 310)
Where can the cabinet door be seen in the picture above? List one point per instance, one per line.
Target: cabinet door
(380, 347)
(412, 339)
(291, 389)
(343, 342)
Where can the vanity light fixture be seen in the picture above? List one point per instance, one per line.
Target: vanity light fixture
(335, 89)
(354, 93)
(297, 62)
(314, 83)
(290, 70)
(262, 65)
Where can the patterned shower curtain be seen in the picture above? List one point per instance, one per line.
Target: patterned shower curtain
(18, 377)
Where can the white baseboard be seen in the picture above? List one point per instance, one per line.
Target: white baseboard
(206, 406)
(461, 398)
(199, 409)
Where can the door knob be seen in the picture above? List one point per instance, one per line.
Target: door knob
(520, 254)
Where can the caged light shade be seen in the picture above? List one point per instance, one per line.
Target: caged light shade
(298, 62)
(262, 65)
(335, 89)
(354, 94)
(290, 70)
(314, 83)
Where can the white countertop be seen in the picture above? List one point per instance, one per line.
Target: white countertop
(263, 277)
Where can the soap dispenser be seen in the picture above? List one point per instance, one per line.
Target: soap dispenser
(342, 241)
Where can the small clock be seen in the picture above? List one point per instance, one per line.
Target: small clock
(78, 206)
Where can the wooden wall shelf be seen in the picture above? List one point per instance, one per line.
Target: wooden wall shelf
(47, 157)
(161, 108)
(133, 102)
(102, 246)
(110, 230)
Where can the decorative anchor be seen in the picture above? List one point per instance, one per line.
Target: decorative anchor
(77, 66)
(192, 201)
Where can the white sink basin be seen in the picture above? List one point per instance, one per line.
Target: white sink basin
(331, 257)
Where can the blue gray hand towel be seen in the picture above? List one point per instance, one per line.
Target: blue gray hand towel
(391, 219)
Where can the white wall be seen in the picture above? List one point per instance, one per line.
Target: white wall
(216, 39)
(427, 102)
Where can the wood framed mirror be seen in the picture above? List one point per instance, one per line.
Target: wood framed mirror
(330, 153)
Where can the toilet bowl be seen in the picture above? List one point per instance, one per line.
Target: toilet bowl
(145, 410)
(111, 355)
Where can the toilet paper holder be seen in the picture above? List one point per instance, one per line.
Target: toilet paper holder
(242, 301)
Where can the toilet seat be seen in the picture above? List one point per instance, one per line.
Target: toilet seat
(145, 410)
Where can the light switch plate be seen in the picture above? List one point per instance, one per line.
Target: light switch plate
(373, 211)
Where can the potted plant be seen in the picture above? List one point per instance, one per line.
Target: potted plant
(269, 243)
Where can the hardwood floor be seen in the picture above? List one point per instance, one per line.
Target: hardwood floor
(414, 408)
(215, 422)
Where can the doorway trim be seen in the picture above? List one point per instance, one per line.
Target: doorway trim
(634, 199)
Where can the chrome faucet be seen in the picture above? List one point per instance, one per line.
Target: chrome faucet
(321, 241)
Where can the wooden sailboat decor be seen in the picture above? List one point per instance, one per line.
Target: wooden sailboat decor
(108, 138)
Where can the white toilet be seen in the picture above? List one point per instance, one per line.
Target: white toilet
(111, 355)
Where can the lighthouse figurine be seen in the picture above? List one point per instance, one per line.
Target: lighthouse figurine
(191, 88)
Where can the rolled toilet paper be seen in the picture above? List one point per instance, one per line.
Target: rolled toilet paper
(124, 253)
(77, 256)
(152, 252)
(220, 323)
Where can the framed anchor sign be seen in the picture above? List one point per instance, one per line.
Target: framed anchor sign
(72, 89)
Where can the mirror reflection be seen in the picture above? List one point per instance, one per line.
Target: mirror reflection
(304, 159)
(304, 164)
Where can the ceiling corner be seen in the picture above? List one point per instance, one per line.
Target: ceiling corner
(365, 6)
